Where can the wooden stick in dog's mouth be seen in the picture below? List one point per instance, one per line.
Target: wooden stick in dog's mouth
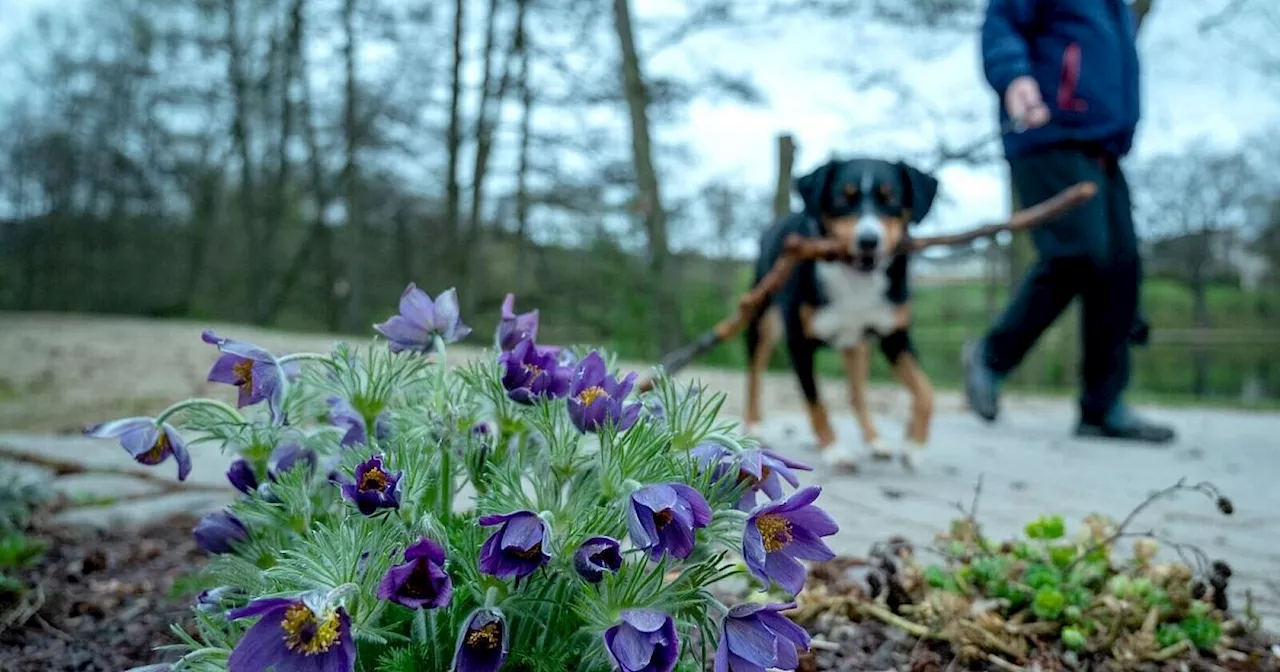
(798, 248)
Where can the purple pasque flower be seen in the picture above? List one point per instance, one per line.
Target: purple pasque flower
(755, 637)
(286, 456)
(780, 533)
(374, 487)
(662, 518)
(515, 550)
(596, 556)
(293, 636)
(250, 368)
(420, 582)
(146, 442)
(531, 372)
(482, 642)
(595, 397)
(765, 470)
(514, 328)
(220, 532)
(643, 640)
(241, 475)
(343, 415)
(421, 320)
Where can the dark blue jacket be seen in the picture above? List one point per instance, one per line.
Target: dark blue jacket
(1084, 56)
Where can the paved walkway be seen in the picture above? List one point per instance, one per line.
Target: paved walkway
(1029, 466)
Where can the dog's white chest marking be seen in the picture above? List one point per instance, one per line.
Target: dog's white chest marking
(855, 303)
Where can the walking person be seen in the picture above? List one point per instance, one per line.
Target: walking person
(1067, 72)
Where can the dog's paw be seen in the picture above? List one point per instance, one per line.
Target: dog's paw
(835, 457)
(879, 450)
(912, 455)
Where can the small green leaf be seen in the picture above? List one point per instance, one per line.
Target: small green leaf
(1040, 575)
(1073, 639)
(935, 577)
(1169, 634)
(1062, 556)
(1035, 529)
(1203, 632)
(1053, 527)
(1048, 604)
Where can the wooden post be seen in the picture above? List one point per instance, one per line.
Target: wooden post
(782, 193)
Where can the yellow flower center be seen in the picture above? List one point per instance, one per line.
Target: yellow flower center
(374, 479)
(663, 518)
(533, 370)
(775, 531)
(158, 449)
(591, 394)
(487, 637)
(244, 372)
(304, 634)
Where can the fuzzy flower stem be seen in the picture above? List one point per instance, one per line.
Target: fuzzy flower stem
(304, 356)
(446, 485)
(438, 346)
(191, 403)
(491, 597)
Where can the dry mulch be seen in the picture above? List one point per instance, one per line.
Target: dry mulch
(105, 598)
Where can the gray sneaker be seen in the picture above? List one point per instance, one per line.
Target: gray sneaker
(1122, 424)
(981, 384)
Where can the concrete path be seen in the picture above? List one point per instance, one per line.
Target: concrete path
(1028, 462)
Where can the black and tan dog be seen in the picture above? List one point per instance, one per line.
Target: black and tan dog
(868, 205)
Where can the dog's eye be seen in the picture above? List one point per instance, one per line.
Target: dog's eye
(886, 196)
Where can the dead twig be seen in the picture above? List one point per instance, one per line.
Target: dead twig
(68, 468)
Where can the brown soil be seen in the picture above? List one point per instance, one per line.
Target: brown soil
(105, 598)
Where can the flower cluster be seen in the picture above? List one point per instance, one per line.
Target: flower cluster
(601, 516)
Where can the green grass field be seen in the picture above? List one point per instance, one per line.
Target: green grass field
(1239, 351)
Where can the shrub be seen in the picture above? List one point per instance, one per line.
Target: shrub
(601, 517)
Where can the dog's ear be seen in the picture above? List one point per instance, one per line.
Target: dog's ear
(813, 187)
(923, 190)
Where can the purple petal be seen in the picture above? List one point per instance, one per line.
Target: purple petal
(425, 548)
(749, 639)
(499, 518)
(523, 533)
(631, 648)
(697, 503)
(115, 428)
(179, 448)
(446, 310)
(261, 647)
(786, 571)
(806, 546)
(814, 520)
(784, 627)
(399, 329)
(240, 348)
(645, 620)
(417, 307)
(260, 607)
(224, 370)
(656, 497)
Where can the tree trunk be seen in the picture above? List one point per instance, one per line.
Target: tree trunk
(292, 55)
(666, 318)
(487, 115)
(782, 191)
(522, 171)
(240, 137)
(453, 141)
(354, 314)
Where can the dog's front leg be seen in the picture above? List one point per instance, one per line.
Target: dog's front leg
(857, 371)
(908, 370)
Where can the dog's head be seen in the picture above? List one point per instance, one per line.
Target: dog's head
(867, 204)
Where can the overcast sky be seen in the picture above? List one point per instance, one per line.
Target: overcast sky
(1191, 90)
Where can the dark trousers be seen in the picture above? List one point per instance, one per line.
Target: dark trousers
(1090, 252)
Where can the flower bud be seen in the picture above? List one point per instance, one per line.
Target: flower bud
(242, 477)
(219, 532)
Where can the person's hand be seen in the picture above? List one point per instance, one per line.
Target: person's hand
(1023, 102)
